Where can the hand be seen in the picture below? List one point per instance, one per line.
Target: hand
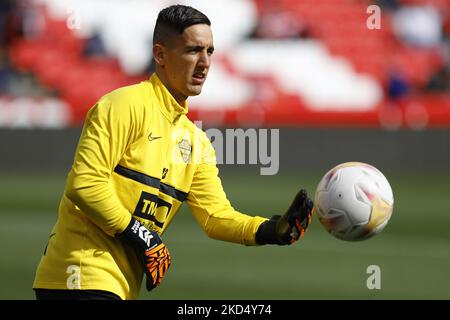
(157, 262)
(293, 224)
(289, 228)
(152, 251)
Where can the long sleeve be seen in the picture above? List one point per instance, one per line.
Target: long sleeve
(107, 131)
(213, 211)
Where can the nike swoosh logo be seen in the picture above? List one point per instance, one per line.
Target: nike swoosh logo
(150, 138)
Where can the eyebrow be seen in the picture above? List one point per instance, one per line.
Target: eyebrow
(198, 48)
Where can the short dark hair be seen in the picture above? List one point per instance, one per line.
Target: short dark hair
(174, 19)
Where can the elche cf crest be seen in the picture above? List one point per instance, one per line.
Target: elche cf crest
(185, 150)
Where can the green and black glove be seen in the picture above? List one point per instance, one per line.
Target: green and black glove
(289, 228)
(151, 250)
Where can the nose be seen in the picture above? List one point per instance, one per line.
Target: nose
(204, 59)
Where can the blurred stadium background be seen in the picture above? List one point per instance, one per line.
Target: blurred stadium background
(338, 90)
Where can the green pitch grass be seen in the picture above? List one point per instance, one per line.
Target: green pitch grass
(413, 252)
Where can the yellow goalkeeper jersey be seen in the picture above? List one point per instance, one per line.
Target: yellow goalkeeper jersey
(139, 155)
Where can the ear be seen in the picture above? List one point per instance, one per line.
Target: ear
(159, 54)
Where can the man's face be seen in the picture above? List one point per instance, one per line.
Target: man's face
(186, 60)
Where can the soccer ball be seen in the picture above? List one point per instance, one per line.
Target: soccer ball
(354, 201)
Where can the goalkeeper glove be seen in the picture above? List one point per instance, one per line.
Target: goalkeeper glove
(150, 248)
(289, 228)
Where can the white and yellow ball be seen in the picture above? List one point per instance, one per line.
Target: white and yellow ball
(354, 201)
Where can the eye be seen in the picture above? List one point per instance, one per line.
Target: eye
(192, 50)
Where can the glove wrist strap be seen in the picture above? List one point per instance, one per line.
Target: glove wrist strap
(139, 236)
(267, 232)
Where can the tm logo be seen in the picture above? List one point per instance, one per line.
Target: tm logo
(152, 208)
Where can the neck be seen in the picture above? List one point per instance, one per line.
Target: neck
(180, 98)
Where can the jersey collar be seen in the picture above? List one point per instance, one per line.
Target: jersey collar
(171, 109)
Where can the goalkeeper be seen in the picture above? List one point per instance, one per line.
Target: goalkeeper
(138, 159)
